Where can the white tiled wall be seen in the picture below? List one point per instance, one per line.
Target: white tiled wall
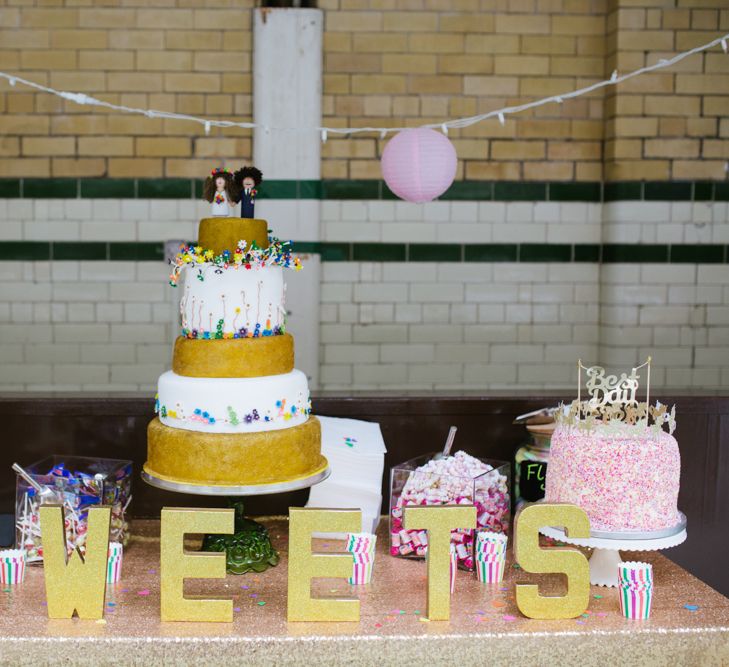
(84, 325)
(461, 222)
(109, 325)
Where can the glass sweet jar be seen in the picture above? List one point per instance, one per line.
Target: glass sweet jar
(460, 479)
(77, 483)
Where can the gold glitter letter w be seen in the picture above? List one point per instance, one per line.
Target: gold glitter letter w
(79, 582)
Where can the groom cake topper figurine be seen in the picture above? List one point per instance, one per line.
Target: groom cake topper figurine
(248, 179)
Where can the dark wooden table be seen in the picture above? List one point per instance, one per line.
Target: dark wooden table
(115, 427)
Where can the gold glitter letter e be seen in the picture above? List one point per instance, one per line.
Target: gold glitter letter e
(176, 564)
(79, 582)
(571, 562)
(305, 565)
(439, 521)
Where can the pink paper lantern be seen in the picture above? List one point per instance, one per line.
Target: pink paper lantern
(419, 165)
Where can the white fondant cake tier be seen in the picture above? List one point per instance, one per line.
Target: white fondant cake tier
(233, 302)
(233, 405)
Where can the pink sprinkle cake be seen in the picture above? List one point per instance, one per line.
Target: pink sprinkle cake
(625, 480)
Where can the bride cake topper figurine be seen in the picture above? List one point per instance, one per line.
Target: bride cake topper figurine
(247, 180)
(220, 190)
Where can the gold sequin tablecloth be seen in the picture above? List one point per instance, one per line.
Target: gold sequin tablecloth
(485, 625)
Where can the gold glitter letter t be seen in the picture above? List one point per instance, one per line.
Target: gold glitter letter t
(571, 562)
(305, 565)
(176, 564)
(439, 521)
(80, 582)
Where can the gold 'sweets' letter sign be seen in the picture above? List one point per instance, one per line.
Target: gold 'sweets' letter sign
(439, 521)
(176, 564)
(305, 565)
(80, 583)
(534, 559)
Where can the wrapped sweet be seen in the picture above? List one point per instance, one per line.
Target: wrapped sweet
(460, 479)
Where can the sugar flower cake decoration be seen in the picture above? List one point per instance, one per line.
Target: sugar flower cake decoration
(614, 403)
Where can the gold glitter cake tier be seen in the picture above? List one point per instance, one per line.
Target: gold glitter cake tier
(218, 234)
(268, 457)
(234, 357)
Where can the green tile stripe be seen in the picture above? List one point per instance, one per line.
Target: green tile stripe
(333, 189)
(395, 252)
(81, 250)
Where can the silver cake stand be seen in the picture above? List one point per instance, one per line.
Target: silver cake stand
(249, 548)
(608, 545)
(229, 490)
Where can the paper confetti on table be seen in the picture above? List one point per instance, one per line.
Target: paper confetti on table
(144, 591)
(691, 607)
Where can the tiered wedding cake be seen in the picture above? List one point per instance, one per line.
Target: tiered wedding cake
(233, 411)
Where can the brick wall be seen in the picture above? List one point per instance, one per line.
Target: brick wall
(188, 57)
(404, 63)
(671, 124)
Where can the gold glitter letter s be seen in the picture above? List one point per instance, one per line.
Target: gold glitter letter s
(305, 565)
(80, 582)
(571, 562)
(176, 564)
(439, 521)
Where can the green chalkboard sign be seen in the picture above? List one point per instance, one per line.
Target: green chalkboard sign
(532, 475)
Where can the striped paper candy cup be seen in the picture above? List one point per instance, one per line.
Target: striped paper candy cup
(363, 557)
(489, 548)
(635, 586)
(12, 566)
(636, 604)
(113, 569)
(635, 581)
(362, 572)
(635, 572)
(488, 541)
(490, 571)
(116, 548)
(453, 568)
(361, 542)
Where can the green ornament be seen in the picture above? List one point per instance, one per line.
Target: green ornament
(249, 549)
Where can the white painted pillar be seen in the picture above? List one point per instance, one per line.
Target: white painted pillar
(287, 90)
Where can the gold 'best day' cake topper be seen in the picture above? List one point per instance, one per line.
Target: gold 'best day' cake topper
(613, 402)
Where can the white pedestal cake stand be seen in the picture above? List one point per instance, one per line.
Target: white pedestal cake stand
(607, 547)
